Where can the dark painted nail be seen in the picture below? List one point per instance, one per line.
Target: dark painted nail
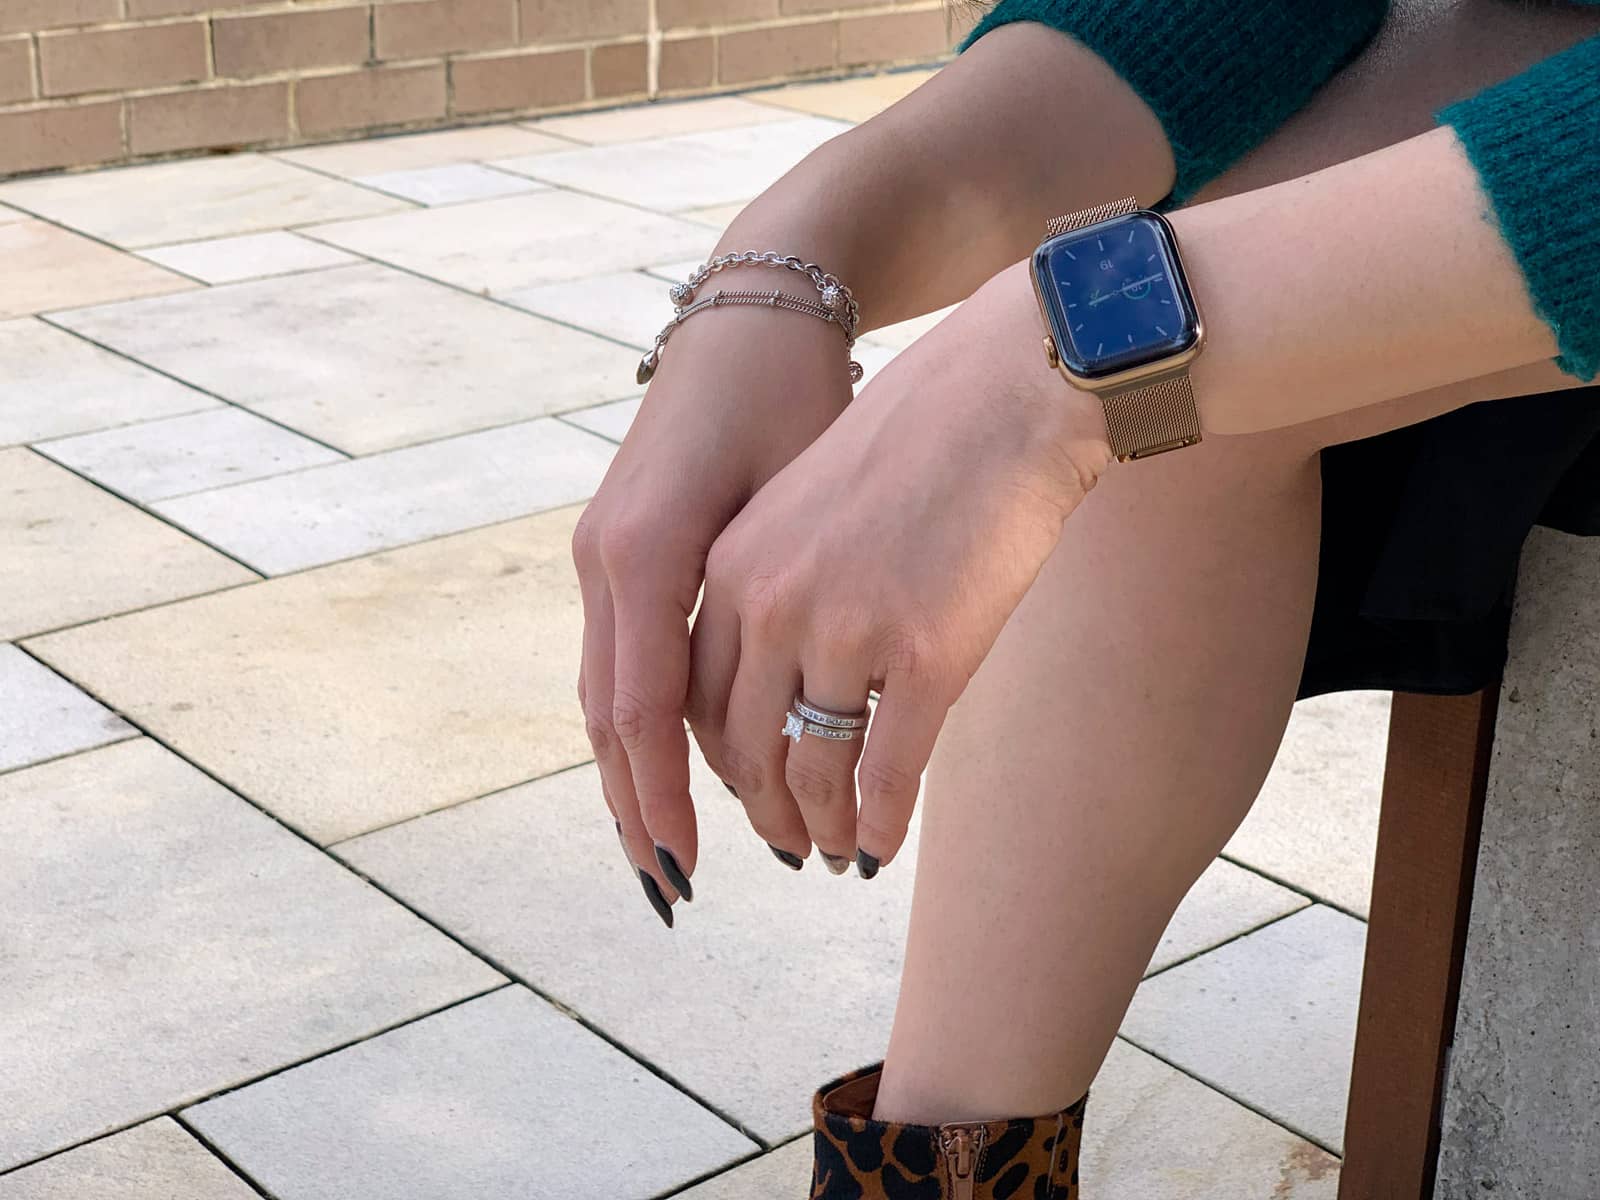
(793, 861)
(652, 890)
(837, 864)
(732, 791)
(866, 865)
(674, 873)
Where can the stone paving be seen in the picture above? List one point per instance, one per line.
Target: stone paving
(307, 885)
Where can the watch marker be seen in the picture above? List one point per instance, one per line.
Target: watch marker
(1131, 234)
(1101, 242)
(1077, 329)
(1100, 349)
(1162, 331)
(1166, 302)
(1151, 258)
(1069, 254)
(1130, 339)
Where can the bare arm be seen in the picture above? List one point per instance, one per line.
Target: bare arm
(915, 208)
(1379, 277)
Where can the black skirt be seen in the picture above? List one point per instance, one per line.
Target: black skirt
(1421, 531)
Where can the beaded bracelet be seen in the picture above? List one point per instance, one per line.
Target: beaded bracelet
(835, 303)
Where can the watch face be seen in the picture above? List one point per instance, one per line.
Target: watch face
(1116, 295)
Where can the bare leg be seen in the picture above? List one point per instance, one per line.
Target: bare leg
(1101, 758)
(1125, 721)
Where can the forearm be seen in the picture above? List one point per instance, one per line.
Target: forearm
(1380, 277)
(918, 206)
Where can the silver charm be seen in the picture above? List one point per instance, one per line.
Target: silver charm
(682, 293)
(855, 371)
(648, 365)
(831, 298)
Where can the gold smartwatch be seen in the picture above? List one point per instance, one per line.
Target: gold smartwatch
(1122, 323)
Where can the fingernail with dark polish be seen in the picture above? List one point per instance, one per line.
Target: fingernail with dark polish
(732, 791)
(793, 861)
(866, 865)
(652, 890)
(674, 873)
(837, 864)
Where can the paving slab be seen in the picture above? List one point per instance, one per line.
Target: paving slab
(87, 554)
(688, 171)
(167, 941)
(845, 99)
(158, 459)
(408, 152)
(192, 199)
(784, 1174)
(498, 246)
(501, 1096)
(57, 384)
(366, 692)
(155, 1161)
(608, 420)
(1269, 1019)
(748, 1020)
(1224, 902)
(311, 517)
(43, 716)
(1153, 1133)
(248, 256)
(449, 184)
(1150, 1133)
(662, 118)
(629, 306)
(49, 268)
(366, 358)
(1315, 823)
(718, 216)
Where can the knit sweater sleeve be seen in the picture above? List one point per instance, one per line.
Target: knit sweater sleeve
(1220, 75)
(1535, 142)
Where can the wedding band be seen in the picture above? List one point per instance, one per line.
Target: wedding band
(833, 720)
(795, 727)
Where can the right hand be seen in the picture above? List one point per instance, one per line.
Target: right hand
(739, 393)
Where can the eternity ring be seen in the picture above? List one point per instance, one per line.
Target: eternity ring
(823, 716)
(795, 727)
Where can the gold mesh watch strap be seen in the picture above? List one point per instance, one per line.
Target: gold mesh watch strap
(1089, 216)
(1149, 418)
(1152, 418)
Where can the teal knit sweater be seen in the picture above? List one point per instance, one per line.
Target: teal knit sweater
(1221, 75)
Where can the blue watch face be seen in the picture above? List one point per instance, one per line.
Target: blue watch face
(1116, 295)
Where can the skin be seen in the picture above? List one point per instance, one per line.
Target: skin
(957, 585)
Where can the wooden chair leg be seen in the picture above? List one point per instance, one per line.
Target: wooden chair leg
(1433, 790)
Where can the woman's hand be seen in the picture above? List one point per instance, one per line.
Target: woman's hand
(888, 556)
(738, 394)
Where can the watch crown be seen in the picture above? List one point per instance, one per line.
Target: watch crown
(1050, 354)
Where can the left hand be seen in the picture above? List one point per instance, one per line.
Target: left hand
(888, 556)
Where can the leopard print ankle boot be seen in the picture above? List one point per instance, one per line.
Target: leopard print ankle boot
(857, 1158)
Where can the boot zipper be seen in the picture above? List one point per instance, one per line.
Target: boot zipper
(961, 1145)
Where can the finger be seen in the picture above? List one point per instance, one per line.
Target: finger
(905, 725)
(753, 747)
(616, 786)
(713, 662)
(820, 770)
(652, 676)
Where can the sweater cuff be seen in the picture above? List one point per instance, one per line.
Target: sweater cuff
(1535, 143)
(1220, 75)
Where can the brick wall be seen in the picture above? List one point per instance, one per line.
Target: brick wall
(95, 81)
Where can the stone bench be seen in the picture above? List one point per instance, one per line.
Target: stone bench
(1477, 1061)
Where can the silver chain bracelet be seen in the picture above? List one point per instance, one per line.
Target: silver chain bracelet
(835, 302)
